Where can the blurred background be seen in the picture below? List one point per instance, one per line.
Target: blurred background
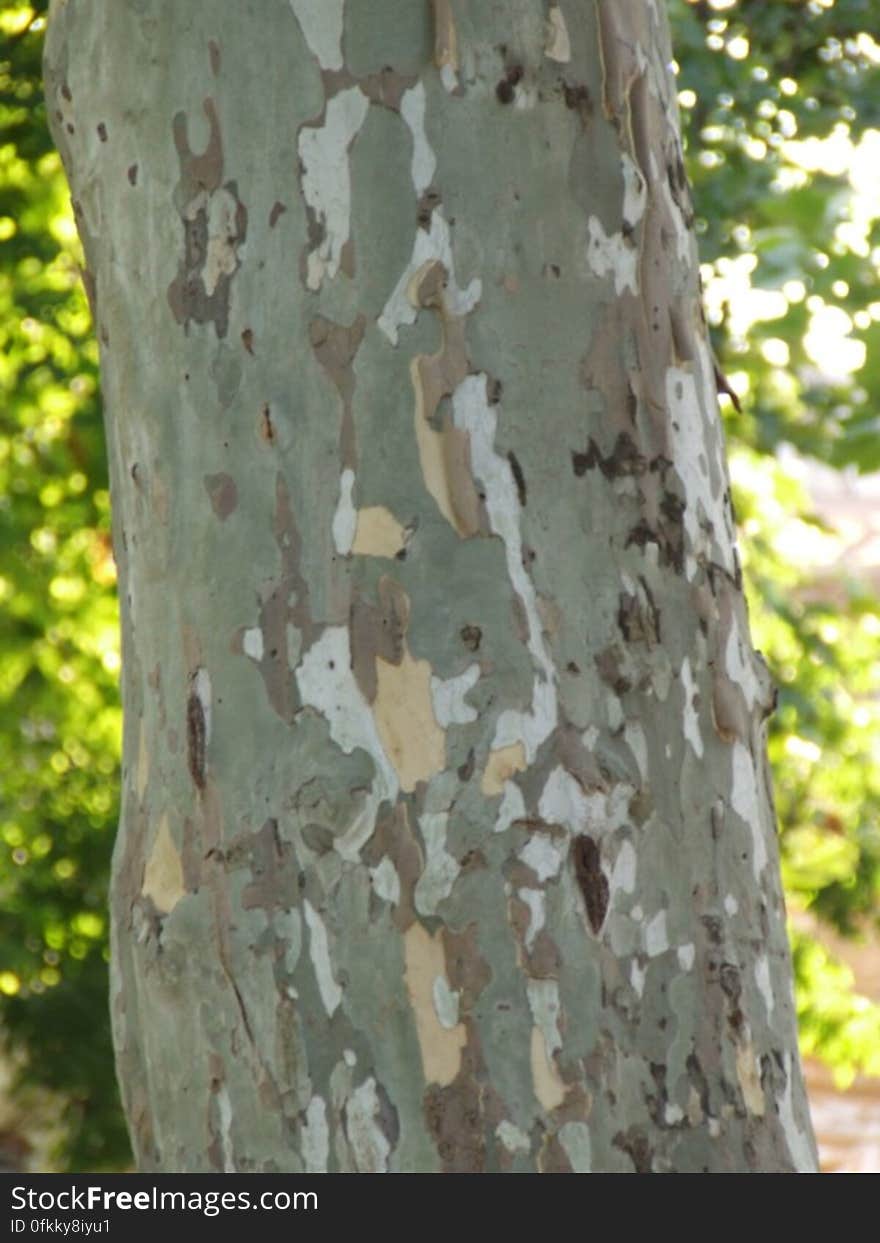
(780, 105)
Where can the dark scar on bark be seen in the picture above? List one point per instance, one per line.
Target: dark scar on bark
(195, 739)
(591, 880)
(518, 477)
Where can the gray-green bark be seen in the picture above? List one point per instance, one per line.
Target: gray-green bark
(447, 841)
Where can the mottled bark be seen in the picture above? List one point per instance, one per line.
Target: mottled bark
(447, 841)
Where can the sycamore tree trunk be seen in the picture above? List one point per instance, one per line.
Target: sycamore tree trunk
(447, 841)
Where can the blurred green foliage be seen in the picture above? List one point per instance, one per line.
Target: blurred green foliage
(786, 233)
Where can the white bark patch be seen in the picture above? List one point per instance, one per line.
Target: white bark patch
(799, 1143)
(656, 935)
(637, 977)
(314, 1137)
(321, 23)
(575, 1140)
(405, 721)
(564, 802)
(612, 256)
(326, 178)
(744, 800)
(448, 698)
(635, 192)
(368, 1142)
(344, 522)
(474, 415)
(441, 870)
(424, 162)
(634, 736)
(201, 684)
(762, 979)
(163, 874)
(440, 1048)
(513, 1139)
(221, 252)
(557, 45)
(731, 905)
(544, 1003)
(252, 643)
(319, 952)
(224, 1110)
(543, 855)
(536, 902)
(326, 683)
(623, 876)
(350, 1058)
(287, 926)
(446, 1003)
(512, 807)
(737, 661)
(386, 882)
(691, 441)
(686, 956)
(691, 719)
(434, 245)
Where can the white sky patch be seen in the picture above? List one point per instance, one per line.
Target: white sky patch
(656, 935)
(473, 414)
(543, 855)
(798, 1141)
(441, 870)
(314, 1137)
(512, 807)
(386, 881)
(369, 1143)
(319, 952)
(691, 720)
(448, 698)
(686, 955)
(762, 979)
(612, 256)
(635, 192)
(424, 162)
(545, 1007)
(690, 445)
(252, 643)
(321, 23)
(623, 876)
(744, 800)
(326, 683)
(436, 244)
(326, 178)
(536, 902)
(446, 1003)
(344, 523)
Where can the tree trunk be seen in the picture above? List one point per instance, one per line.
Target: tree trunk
(447, 840)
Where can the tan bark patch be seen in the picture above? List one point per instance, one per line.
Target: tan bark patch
(163, 874)
(143, 764)
(404, 712)
(501, 766)
(549, 1088)
(748, 1073)
(378, 533)
(441, 1047)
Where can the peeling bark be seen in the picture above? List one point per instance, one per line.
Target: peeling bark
(446, 839)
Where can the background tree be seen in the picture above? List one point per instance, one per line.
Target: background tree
(57, 715)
